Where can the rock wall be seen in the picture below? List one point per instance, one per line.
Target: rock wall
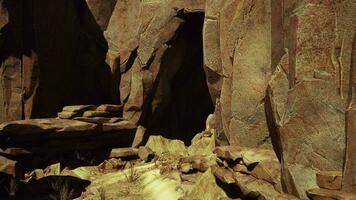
(147, 52)
(238, 63)
(278, 73)
(307, 96)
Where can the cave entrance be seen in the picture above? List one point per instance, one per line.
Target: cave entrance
(186, 100)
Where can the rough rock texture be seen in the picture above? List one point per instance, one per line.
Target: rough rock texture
(155, 53)
(305, 98)
(142, 35)
(349, 178)
(329, 180)
(277, 74)
(235, 32)
(10, 87)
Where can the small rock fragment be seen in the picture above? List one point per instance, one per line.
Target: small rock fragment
(223, 174)
(241, 168)
(229, 152)
(140, 132)
(93, 113)
(329, 179)
(285, 197)
(53, 170)
(7, 166)
(79, 108)
(145, 153)
(186, 167)
(123, 152)
(160, 145)
(67, 114)
(109, 108)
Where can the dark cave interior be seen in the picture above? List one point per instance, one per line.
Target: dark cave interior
(186, 99)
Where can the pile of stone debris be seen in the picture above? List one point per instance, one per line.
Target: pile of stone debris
(160, 169)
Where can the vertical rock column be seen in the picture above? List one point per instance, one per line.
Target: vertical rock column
(237, 47)
(304, 106)
(349, 176)
(11, 85)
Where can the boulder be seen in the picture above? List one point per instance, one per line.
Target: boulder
(145, 153)
(161, 145)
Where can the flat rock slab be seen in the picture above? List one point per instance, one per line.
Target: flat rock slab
(110, 108)
(92, 113)
(329, 179)
(122, 125)
(47, 136)
(25, 127)
(324, 194)
(99, 120)
(79, 108)
(67, 114)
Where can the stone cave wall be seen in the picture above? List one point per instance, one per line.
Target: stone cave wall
(279, 73)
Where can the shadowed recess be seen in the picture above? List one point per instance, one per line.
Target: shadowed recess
(185, 102)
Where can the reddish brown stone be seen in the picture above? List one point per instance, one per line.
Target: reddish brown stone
(329, 180)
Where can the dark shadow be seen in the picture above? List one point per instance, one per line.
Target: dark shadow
(71, 52)
(72, 61)
(50, 187)
(185, 101)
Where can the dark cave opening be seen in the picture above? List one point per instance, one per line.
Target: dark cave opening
(186, 101)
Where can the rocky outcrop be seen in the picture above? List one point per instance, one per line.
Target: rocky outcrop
(306, 96)
(49, 136)
(235, 32)
(349, 177)
(155, 52)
